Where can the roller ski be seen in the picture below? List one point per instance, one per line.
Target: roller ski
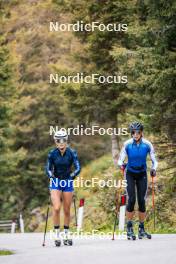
(57, 243)
(57, 240)
(67, 241)
(131, 235)
(130, 232)
(142, 234)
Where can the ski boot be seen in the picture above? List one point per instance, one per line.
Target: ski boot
(141, 232)
(130, 232)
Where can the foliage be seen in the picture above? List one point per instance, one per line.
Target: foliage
(146, 53)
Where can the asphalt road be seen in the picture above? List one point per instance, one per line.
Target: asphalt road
(161, 249)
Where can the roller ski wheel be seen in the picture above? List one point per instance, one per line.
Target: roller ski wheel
(142, 234)
(57, 243)
(68, 242)
(131, 235)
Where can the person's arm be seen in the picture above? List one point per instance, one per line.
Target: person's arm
(49, 166)
(76, 166)
(122, 157)
(154, 161)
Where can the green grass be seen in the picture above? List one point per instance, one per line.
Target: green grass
(4, 252)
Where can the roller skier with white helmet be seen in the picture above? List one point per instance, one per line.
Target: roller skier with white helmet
(59, 170)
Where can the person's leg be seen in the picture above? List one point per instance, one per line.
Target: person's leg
(67, 200)
(131, 202)
(129, 215)
(142, 192)
(131, 195)
(142, 216)
(141, 184)
(56, 203)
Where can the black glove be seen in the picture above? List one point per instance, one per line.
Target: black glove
(72, 177)
(152, 173)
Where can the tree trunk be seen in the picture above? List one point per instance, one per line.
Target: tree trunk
(115, 143)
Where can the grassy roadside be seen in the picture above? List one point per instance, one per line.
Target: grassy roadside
(4, 252)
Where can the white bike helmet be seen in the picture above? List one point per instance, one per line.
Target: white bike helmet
(61, 134)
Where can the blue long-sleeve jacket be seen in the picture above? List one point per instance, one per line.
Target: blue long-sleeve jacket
(61, 166)
(137, 155)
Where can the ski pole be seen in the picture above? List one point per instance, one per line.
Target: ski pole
(46, 223)
(153, 201)
(116, 213)
(122, 207)
(74, 201)
(115, 222)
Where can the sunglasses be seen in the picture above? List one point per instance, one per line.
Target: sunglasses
(138, 132)
(61, 140)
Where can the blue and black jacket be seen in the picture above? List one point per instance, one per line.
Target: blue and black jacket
(60, 166)
(137, 155)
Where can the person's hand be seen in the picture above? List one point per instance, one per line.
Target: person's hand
(123, 167)
(72, 176)
(153, 173)
(50, 181)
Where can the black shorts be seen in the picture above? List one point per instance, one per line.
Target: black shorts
(136, 181)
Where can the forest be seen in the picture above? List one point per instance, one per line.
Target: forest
(30, 52)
